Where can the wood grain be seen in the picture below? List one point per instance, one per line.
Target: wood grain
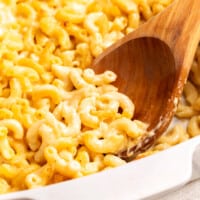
(152, 64)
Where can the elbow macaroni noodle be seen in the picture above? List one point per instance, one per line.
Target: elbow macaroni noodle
(58, 119)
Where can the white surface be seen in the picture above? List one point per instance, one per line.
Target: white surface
(142, 179)
(189, 192)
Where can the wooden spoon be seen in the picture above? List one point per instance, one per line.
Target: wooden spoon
(152, 64)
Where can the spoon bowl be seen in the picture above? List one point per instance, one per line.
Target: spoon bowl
(152, 64)
(142, 76)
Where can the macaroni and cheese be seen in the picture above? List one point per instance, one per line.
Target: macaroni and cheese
(58, 119)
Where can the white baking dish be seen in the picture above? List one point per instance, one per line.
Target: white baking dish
(146, 178)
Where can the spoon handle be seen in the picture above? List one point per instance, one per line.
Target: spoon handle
(179, 27)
